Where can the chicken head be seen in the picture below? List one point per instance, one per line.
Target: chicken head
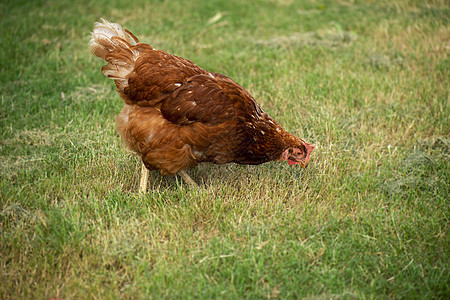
(298, 155)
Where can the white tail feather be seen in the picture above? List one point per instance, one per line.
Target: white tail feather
(108, 39)
(101, 38)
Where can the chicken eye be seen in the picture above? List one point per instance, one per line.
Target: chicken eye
(299, 152)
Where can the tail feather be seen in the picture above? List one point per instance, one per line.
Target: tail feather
(102, 41)
(114, 44)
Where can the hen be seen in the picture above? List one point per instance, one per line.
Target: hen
(177, 114)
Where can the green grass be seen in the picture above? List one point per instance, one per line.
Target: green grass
(366, 82)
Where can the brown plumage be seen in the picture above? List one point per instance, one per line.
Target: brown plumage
(177, 114)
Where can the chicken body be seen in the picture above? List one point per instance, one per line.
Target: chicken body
(177, 114)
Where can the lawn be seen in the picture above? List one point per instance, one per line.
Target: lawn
(366, 82)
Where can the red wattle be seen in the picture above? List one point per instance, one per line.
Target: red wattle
(291, 162)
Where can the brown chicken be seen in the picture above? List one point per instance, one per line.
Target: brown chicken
(177, 114)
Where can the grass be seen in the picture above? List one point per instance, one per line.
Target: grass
(366, 82)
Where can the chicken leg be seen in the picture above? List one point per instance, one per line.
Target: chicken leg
(144, 180)
(187, 178)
